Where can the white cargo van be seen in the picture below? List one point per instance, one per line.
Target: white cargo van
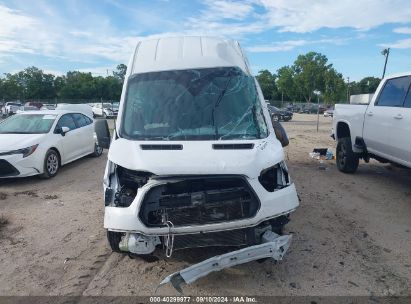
(195, 160)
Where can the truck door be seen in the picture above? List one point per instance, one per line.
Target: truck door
(405, 138)
(386, 132)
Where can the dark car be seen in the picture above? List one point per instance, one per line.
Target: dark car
(36, 104)
(311, 108)
(280, 114)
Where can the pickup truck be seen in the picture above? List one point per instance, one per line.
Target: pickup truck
(10, 108)
(380, 130)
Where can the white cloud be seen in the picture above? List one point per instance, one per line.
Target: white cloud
(49, 31)
(224, 18)
(278, 47)
(402, 30)
(282, 46)
(400, 44)
(54, 72)
(301, 17)
(12, 21)
(223, 9)
(21, 33)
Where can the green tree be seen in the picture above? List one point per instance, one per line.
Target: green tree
(267, 84)
(120, 72)
(37, 85)
(309, 71)
(334, 87)
(285, 83)
(12, 87)
(368, 85)
(79, 85)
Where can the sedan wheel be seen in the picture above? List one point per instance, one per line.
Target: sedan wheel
(97, 150)
(51, 164)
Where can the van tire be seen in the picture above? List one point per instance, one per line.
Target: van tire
(347, 160)
(114, 239)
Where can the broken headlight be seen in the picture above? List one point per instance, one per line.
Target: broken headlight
(275, 177)
(128, 183)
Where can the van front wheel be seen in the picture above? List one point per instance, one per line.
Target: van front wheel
(114, 239)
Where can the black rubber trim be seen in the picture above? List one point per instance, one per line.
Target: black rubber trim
(233, 146)
(161, 147)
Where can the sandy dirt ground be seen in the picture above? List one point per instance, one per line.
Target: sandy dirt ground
(351, 234)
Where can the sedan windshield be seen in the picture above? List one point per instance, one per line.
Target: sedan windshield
(27, 124)
(195, 104)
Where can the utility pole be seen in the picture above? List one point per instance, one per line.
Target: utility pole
(317, 92)
(386, 53)
(348, 89)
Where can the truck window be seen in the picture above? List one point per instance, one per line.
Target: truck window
(407, 102)
(394, 92)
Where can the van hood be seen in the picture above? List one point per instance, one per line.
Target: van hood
(197, 157)
(10, 142)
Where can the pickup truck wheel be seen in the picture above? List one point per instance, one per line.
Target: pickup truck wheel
(347, 160)
(114, 239)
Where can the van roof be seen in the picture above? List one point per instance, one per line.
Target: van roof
(186, 52)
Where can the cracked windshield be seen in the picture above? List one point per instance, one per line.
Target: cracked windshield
(194, 104)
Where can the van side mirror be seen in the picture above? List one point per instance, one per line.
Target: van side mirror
(103, 133)
(280, 133)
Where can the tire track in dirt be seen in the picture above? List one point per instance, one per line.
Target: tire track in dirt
(371, 256)
(82, 269)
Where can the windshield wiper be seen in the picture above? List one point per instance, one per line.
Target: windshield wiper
(255, 119)
(217, 103)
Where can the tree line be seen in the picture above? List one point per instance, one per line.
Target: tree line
(32, 83)
(309, 73)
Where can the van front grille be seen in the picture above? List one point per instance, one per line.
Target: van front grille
(199, 201)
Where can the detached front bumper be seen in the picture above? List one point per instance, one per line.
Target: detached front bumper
(274, 246)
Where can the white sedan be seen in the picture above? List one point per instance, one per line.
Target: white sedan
(106, 110)
(39, 143)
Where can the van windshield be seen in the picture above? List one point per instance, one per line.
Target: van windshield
(194, 104)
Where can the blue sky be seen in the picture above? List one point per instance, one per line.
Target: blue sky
(95, 36)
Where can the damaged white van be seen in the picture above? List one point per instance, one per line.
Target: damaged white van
(194, 160)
